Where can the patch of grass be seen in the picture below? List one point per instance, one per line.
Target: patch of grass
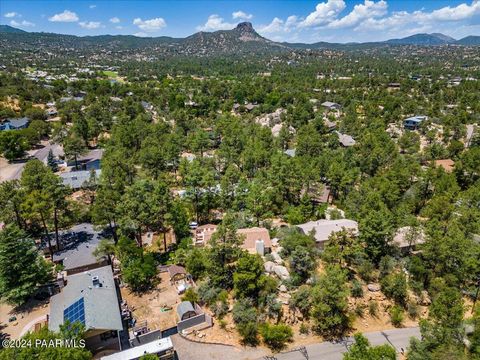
(110, 74)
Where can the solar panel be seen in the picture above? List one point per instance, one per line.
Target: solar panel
(75, 312)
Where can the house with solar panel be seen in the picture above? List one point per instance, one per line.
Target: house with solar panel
(90, 298)
(414, 122)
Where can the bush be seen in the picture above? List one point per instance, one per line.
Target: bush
(373, 308)
(367, 272)
(412, 310)
(208, 294)
(360, 310)
(304, 329)
(222, 324)
(190, 295)
(357, 290)
(396, 316)
(244, 312)
(276, 336)
(394, 286)
(249, 333)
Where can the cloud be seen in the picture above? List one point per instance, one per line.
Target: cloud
(119, 27)
(279, 26)
(150, 25)
(140, 34)
(23, 23)
(92, 6)
(361, 12)
(421, 20)
(215, 22)
(324, 13)
(241, 15)
(65, 16)
(12, 14)
(114, 20)
(90, 25)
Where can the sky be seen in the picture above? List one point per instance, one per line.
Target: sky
(293, 20)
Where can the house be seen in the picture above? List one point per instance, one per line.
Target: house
(90, 298)
(408, 237)
(15, 124)
(345, 140)
(256, 240)
(331, 105)
(163, 348)
(318, 193)
(290, 152)
(185, 310)
(414, 122)
(176, 273)
(75, 252)
(322, 229)
(447, 164)
(203, 234)
(76, 179)
(91, 160)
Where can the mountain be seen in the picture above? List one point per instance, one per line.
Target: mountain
(10, 29)
(422, 39)
(241, 39)
(469, 41)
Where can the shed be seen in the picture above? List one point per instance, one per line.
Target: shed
(185, 310)
(176, 272)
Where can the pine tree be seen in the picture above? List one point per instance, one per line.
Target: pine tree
(51, 161)
(21, 266)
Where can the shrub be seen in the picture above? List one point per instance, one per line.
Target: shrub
(373, 308)
(357, 290)
(190, 295)
(396, 315)
(276, 336)
(394, 286)
(223, 324)
(249, 333)
(367, 272)
(412, 310)
(360, 310)
(304, 329)
(244, 312)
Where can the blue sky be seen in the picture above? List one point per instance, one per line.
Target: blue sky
(306, 21)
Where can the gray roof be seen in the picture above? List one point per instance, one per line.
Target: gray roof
(102, 311)
(323, 228)
(184, 307)
(95, 154)
(330, 104)
(75, 179)
(19, 122)
(346, 140)
(290, 152)
(79, 243)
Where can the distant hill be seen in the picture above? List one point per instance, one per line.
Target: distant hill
(243, 39)
(10, 29)
(423, 39)
(469, 41)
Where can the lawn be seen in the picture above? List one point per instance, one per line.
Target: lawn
(111, 74)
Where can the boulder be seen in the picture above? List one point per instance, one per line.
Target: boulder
(282, 288)
(373, 287)
(281, 272)
(269, 267)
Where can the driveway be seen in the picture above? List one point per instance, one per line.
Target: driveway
(187, 350)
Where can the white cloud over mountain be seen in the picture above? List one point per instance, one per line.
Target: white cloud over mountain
(150, 25)
(65, 16)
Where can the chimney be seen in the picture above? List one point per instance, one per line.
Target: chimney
(96, 281)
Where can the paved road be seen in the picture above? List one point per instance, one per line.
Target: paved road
(186, 350)
(398, 338)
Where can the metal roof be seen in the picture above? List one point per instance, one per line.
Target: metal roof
(75, 179)
(154, 347)
(101, 307)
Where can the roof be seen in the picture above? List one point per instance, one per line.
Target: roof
(95, 154)
(346, 140)
(330, 104)
(183, 308)
(100, 303)
(407, 236)
(254, 234)
(175, 270)
(323, 228)
(79, 244)
(290, 152)
(18, 123)
(154, 347)
(75, 179)
(446, 164)
(416, 119)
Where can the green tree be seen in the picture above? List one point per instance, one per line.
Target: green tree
(277, 336)
(51, 161)
(362, 350)
(73, 147)
(13, 144)
(248, 277)
(330, 303)
(22, 268)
